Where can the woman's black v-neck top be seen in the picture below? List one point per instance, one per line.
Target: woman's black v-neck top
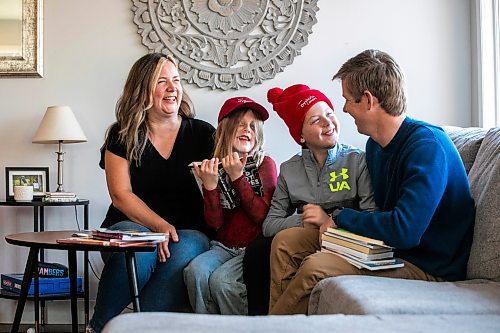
(166, 185)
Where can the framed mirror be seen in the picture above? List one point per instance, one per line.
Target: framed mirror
(21, 42)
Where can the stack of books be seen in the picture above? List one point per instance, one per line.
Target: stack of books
(120, 238)
(359, 251)
(60, 197)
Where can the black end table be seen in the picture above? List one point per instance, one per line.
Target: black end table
(39, 225)
(48, 240)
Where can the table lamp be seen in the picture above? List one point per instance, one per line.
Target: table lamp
(59, 125)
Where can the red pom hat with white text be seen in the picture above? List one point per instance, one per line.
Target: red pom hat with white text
(293, 103)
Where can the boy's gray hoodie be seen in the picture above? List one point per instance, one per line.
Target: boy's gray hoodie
(343, 182)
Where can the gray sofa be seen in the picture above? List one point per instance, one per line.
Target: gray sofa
(363, 303)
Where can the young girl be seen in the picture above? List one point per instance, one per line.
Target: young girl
(214, 279)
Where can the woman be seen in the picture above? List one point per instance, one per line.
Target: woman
(146, 156)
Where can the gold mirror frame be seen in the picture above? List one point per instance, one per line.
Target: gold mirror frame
(30, 62)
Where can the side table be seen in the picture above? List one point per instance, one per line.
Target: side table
(48, 240)
(39, 225)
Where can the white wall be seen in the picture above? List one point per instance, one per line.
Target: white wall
(90, 46)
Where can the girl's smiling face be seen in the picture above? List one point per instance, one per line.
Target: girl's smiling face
(244, 134)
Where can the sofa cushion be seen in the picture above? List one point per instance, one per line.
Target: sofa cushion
(484, 179)
(467, 140)
(376, 295)
(156, 322)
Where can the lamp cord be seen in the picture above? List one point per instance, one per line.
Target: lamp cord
(89, 256)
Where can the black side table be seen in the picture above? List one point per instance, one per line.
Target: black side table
(39, 226)
(48, 240)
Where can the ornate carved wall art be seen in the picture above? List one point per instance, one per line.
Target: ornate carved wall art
(226, 44)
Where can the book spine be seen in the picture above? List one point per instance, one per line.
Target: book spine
(347, 244)
(102, 235)
(87, 241)
(60, 199)
(349, 234)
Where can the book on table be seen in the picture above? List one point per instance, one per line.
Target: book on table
(127, 235)
(110, 242)
(60, 197)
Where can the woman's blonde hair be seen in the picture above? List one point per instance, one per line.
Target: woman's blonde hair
(137, 99)
(226, 129)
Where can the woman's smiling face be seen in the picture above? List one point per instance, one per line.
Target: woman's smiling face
(167, 95)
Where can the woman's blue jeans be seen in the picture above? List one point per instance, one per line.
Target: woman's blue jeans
(161, 285)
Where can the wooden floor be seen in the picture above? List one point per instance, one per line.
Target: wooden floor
(52, 328)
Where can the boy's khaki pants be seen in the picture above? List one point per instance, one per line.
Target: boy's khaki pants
(296, 267)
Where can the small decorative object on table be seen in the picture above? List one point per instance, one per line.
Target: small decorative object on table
(23, 193)
(34, 177)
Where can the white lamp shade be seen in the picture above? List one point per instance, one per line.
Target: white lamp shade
(59, 124)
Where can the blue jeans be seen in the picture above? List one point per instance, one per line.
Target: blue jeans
(161, 285)
(214, 281)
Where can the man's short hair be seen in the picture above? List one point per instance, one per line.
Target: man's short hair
(377, 72)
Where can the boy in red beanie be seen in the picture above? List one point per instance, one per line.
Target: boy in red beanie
(323, 178)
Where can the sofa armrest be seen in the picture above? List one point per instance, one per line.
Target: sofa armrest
(377, 295)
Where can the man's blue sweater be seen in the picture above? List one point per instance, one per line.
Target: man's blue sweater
(426, 210)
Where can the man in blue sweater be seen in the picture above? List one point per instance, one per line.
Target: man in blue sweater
(425, 208)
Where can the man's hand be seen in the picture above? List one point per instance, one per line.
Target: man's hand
(207, 172)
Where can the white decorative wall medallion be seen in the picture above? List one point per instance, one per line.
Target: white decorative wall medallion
(226, 44)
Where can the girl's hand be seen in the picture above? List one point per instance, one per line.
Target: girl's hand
(234, 166)
(207, 172)
(171, 233)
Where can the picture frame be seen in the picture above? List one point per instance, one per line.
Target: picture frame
(38, 177)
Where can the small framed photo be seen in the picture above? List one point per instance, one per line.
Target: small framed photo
(38, 177)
